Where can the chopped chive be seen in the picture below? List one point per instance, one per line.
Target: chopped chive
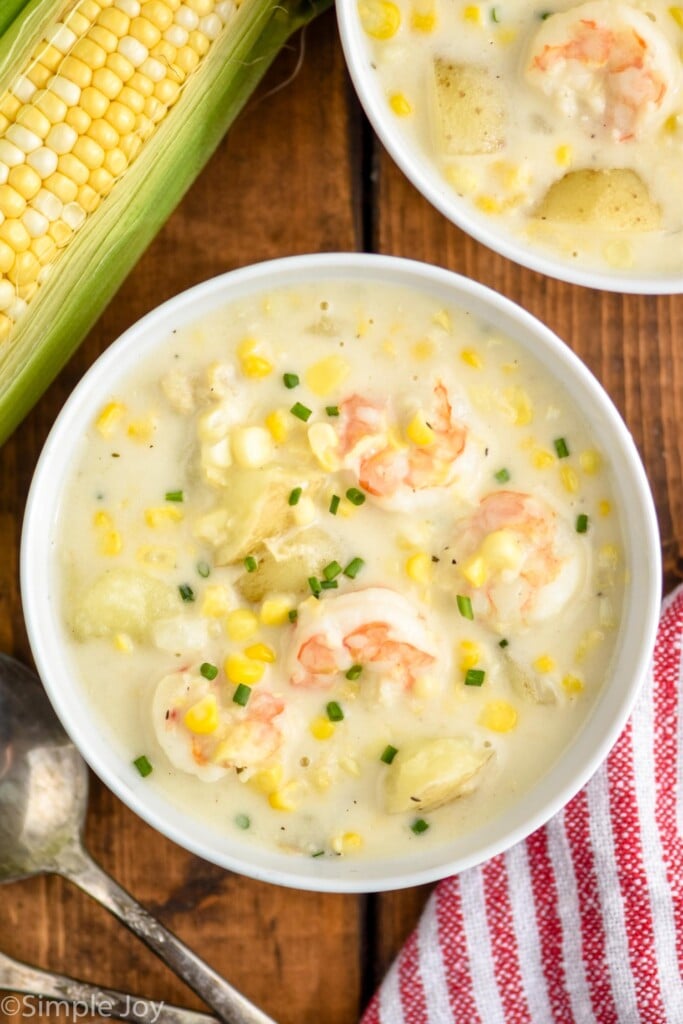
(241, 695)
(418, 826)
(203, 569)
(250, 563)
(318, 853)
(465, 606)
(143, 765)
(208, 670)
(354, 672)
(329, 584)
(389, 753)
(582, 523)
(294, 496)
(355, 496)
(314, 584)
(495, 14)
(474, 677)
(331, 570)
(544, 15)
(242, 821)
(334, 504)
(186, 592)
(175, 496)
(292, 614)
(503, 643)
(502, 476)
(302, 412)
(561, 447)
(353, 568)
(332, 410)
(334, 712)
(290, 380)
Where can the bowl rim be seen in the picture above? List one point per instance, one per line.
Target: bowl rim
(51, 656)
(424, 176)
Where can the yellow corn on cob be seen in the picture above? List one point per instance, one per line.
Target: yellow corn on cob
(100, 97)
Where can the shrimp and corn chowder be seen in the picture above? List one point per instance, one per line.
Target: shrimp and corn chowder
(345, 575)
(561, 124)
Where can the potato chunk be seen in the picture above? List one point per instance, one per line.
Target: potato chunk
(428, 773)
(530, 684)
(122, 601)
(614, 200)
(468, 111)
(286, 566)
(255, 508)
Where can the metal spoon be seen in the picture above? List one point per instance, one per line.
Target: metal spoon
(16, 976)
(43, 798)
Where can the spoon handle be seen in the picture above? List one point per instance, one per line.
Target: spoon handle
(37, 984)
(234, 1008)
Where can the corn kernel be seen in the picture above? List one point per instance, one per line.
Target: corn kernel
(102, 520)
(32, 118)
(520, 406)
(241, 624)
(123, 643)
(160, 14)
(261, 652)
(111, 543)
(419, 567)
(87, 50)
(104, 38)
(101, 181)
(608, 556)
(570, 479)
(6, 256)
(474, 571)
(423, 22)
(323, 442)
(590, 462)
(215, 601)
(471, 358)
(145, 32)
(542, 458)
(327, 375)
(240, 669)
(15, 235)
(103, 133)
(114, 20)
(25, 269)
(157, 518)
(321, 728)
(488, 204)
(419, 432)
(677, 15)
(187, 59)
(544, 664)
(203, 718)
(572, 684)
(75, 71)
(423, 349)
(563, 155)
(400, 104)
(275, 611)
(109, 418)
(252, 446)
(282, 799)
(470, 654)
(472, 13)
(498, 716)
(588, 642)
(347, 842)
(141, 429)
(276, 422)
(268, 779)
(604, 508)
(12, 204)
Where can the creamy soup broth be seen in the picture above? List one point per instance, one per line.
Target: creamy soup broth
(562, 124)
(367, 623)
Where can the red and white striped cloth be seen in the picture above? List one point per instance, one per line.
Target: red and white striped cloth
(582, 923)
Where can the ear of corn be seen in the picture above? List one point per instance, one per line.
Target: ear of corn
(109, 109)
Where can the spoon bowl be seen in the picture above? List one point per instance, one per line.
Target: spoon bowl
(43, 801)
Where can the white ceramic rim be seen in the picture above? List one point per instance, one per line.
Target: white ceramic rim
(553, 790)
(426, 178)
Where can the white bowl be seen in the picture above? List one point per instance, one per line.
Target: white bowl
(574, 767)
(428, 179)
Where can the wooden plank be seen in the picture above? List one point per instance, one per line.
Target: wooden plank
(281, 183)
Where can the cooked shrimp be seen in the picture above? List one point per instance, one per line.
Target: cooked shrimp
(375, 628)
(517, 560)
(233, 737)
(608, 65)
(383, 465)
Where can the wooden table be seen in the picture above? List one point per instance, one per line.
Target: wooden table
(300, 172)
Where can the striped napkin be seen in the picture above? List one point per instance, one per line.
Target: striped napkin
(582, 923)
